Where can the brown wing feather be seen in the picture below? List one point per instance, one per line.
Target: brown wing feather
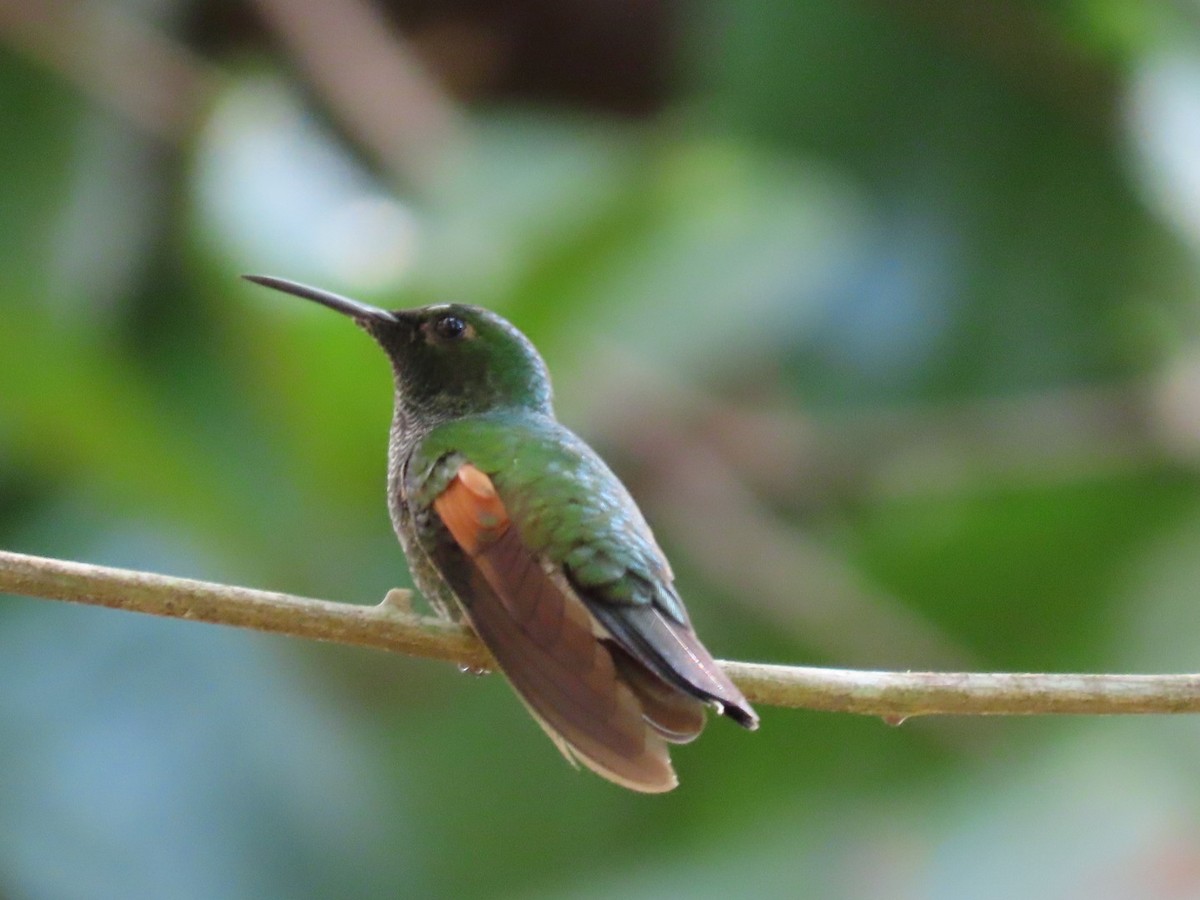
(545, 642)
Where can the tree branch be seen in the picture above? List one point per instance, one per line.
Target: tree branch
(143, 74)
(392, 626)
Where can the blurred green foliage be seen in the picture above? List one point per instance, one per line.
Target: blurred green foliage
(888, 311)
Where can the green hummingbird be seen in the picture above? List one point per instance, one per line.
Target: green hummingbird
(514, 524)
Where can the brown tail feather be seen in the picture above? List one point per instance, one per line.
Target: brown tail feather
(677, 716)
(673, 653)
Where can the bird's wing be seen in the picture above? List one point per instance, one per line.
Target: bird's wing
(597, 701)
(612, 561)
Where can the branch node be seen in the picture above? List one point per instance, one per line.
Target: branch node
(398, 600)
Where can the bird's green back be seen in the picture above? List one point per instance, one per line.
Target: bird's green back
(568, 506)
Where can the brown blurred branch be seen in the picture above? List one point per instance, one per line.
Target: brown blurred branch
(372, 82)
(142, 73)
(390, 626)
(700, 497)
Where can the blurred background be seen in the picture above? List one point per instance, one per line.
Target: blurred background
(889, 314)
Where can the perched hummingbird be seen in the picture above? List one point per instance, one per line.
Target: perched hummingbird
(512, 522)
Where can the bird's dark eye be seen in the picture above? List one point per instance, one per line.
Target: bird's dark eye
(449, 328)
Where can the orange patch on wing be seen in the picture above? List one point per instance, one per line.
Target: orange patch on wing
(471, 510)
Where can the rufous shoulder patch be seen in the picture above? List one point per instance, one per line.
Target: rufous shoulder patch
(476, 482)
(471, 509)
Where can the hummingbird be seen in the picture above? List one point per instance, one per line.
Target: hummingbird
(513, 524)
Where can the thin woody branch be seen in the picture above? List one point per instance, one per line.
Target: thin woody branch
(391, 626)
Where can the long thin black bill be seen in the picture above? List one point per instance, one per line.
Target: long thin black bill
(344, 305)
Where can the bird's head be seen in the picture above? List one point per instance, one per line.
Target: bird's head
(450, 359)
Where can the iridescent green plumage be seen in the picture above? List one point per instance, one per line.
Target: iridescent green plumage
(569, 507)
(511, 521)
